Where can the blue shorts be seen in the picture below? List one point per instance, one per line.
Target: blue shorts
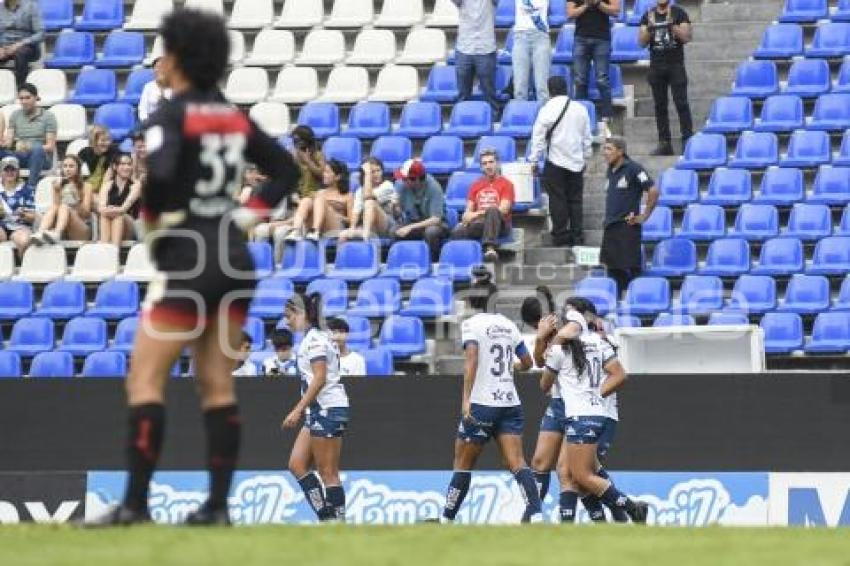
(585, 430)
(553, 419)
(327, 423)
(488, 422)
(606, 439)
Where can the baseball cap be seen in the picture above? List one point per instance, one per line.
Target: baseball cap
(410, 169)
(9, 161)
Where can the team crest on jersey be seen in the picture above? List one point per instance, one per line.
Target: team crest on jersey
(496, 332)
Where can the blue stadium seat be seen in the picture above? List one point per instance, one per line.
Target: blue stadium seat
(783, 332)
(347, 150)
(57, 14)
(470, 119)
(557, 14)
(359, 333)
(756, 79)
(105, 365)
(678, 187)
(125, 334)
(673, 258)
(563, 52)
(727, 319)
(625, 46)
(753, 294)
(256, 329)
(842, 301)
(72, 49)
(703, 222)
(52, 364)
(379, 362)
(591, 111)
(118, 117)
(842, 12)
(368, 120)
(393, 151)
(441, 85)
(302, 261)
(430, 297)
(646, 296)
(756, 222)
(457, 258)
(730, 114)
(122, 49)
(832, 112)
(666, 319)
(700, 294)
(781, 113)
(842, 81)
(505, 147)
(504, 76)
(780, 41)
(780, 256)
(756, 150)
(16, 299)
(84, 335)
(323, 117)
(727, 257)
(115, 300)
(518, 118)
(95, 87)
(270, 297)
(830, 334)
(780, 186)
(729, 187)
(831, 186)
(807, 149)
(457, 188)
(505, 13)
(408, 261)
(136, 81)
(403, 336)
(10, 365)
(615, 81)
(808, 78)
(504, 55)
(806, 294)
(844, 225)
(659, 225)
(356, 261)
(601, 291)
(843, 157)
(831, 256)
(420, 120)
(809, 222)
(704, 151)
(377, 298)
(263, 257)
(101, 15)
(627, 321)
(832, 39)
(804, 11)
(443, 154)
(60, 300)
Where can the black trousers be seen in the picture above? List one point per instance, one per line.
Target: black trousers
(565, 189)
(672, 77)
(25, 56)
(488, 229)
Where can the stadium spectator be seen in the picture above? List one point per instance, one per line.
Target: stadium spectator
(252, 178)
(666, 29)
(17, 206)
(31, 134)
(118, 201)
(21, 36)
(350, 362)
(333, 206)
(283, 361)
(153, 92)
(475, 48)
(243, 366)
(98, 156)
(310, 160)
(621, 241)
(561, 135)
(71, 211)
(140, 154)
(593, 43)
(376, 204)
(422, 206)
(532, 50)
(488, 207)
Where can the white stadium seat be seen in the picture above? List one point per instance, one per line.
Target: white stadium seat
(44, 194)
(8, 88)
(251, 14)
(76, 146)
(272, 48)
(272, 117)
(350, 14)
(8, 109)
(301, 14)
(346, 84)
(423, 47)
(138, 266)
(42, 264)
(147, 15)
(396, 83)
(156, 51)
(400, 14)
(444, 15)
(237, 46)
(216, 6)
(70, 121)
(52, 85)
(7, 261)
(247, 85)
(95, 262)
(322, 47)
(296, 85)
(373, 47)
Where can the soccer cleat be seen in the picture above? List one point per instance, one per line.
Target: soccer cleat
(206, 516)
(639, 513)
(536, 518)
(118, 516)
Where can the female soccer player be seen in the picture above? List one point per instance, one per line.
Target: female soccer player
(490, 405)
(325, 404)
(197, 145)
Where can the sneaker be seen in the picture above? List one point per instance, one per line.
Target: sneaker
(313, 236)
(664, 148)
(37, 239)
(206, 516)
(119, 516)
(640, 513)
(491, 255)
(293, 236)
(50, 237)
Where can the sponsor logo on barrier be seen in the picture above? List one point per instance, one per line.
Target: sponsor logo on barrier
(812, 500)
(41, 498)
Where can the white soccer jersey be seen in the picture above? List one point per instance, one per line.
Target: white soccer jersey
(247, 369)
(611, 400)
(316, 346)
(353, 363)
(498, 340)
(275, 366)
(581, 392)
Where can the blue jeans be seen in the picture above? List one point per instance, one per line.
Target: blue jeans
(482, 66)
(531, 48)
(585, 50)
(36, 160)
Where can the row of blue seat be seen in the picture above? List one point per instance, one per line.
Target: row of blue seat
(97, 15)
(760, 79)
(76, 49)
(785, 40)
(814, 10)
(67, 299)
(779, 113)
(94, 87)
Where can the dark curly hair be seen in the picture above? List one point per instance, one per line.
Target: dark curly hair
(199, 41)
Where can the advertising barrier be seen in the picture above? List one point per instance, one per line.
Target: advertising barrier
(48, 497)
(811, 500)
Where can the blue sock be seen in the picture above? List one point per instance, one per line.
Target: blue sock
(335, 496)
(594, 508)
(458, 488)
(568, 502)
(525, 479)
(542, 479)
(614, 498)
(313, 492)
(619, 515)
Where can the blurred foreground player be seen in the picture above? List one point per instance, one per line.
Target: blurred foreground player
(197, 148)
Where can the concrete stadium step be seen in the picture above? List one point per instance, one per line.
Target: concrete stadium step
(741, 11)
(534, 275)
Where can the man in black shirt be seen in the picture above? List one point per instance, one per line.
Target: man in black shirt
(666, 29)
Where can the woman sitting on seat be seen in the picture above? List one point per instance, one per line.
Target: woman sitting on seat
(333, 206)
(118, 200)
(72, 207)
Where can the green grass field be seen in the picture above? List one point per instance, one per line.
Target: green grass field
(428, 545)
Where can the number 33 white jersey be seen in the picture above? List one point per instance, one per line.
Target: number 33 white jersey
(581, 392)
(498, 340)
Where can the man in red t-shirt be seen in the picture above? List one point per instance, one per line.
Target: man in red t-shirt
(488, 207)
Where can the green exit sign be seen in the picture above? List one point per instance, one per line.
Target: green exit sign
(586, 255)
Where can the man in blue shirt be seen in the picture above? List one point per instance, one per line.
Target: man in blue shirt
(422, 205)
(22, 34)
(475, 48)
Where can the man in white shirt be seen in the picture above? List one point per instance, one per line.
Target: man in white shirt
(562, 135)
(153, 93)
(243, 366)
(350, 362)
